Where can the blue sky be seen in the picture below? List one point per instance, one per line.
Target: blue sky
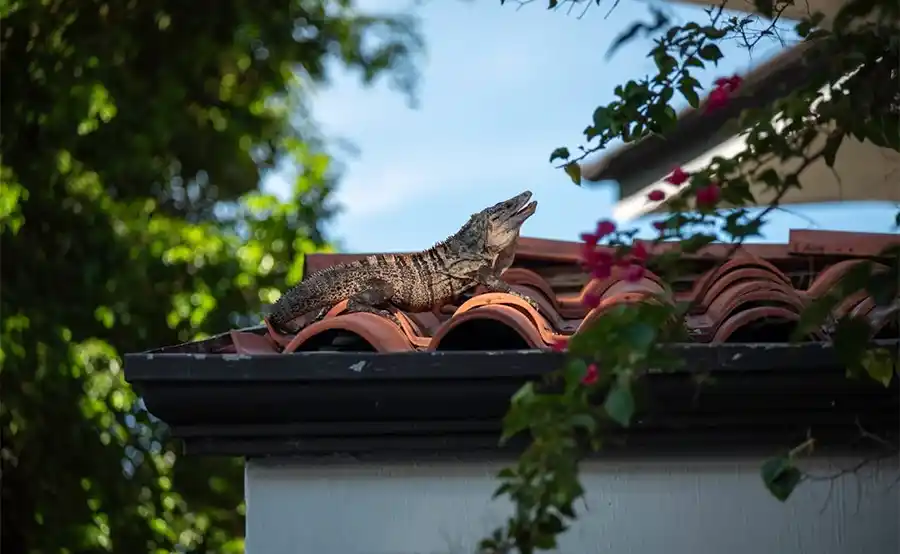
(501, 88)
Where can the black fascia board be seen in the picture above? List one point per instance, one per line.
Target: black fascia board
(758, 397)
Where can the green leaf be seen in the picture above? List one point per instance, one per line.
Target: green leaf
(696, 242)
(689, 93)
(665, 63)
(601, 119)
(544, 541)
(504, 488)
(710, 53)
(879, 365)
(551, 524)
(780, 477)
(639, 335)
(851, 336)
(713, 32)
(619, 404)
(585, 421)
(525, 393)
(573, 170)
(575, 370)
(694, 61)
(561, 153)
(814, 315)
(832, 144)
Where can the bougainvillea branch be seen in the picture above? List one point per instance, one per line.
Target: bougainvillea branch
(595, 390)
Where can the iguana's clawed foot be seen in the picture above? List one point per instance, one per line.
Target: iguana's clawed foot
(320, 315)
(526, 298)
(353, 307)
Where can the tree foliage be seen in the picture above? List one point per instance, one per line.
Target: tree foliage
(134, 135)
(608, 360)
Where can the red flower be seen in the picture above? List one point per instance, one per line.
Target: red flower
(601, 271)
(730, 84)
(605, 227)
(724, 88)
(656, 196)
(590, 301)
(634, 273)
(591, 375)
(639, 251)
(708, 196)
(589, 239)
(559, 345)
(678, 176)
(717, 99)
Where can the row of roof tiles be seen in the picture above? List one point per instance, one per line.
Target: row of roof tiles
(755, 296)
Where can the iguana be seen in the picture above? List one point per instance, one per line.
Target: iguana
(477, 254)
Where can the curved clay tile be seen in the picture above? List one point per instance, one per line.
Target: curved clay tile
(753, 316)
(547, 309)
(611, 286)
(828, 278)
(252, 343)
(612, 301)
(410, 327)
(850, 303)
(381, 334)
(526, 277)
(752, 293)
(536, 320)
(706, 282)
(499, 313)
(736, 278)
(280, 339)
(646, 285)
(427, 322)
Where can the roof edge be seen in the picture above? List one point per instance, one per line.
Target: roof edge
(317, 404)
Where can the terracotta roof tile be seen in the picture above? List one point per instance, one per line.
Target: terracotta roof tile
(756, 296)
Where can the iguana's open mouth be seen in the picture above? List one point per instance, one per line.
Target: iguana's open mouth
(527, 209)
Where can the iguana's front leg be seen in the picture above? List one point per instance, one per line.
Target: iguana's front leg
(371, 300)
(493, 283)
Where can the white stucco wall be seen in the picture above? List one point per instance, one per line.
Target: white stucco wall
(632, 508)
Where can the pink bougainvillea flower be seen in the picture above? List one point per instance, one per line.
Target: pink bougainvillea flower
(724, 88)
(590, 301)
(591, 375)
(708, 196)
(656, 196)
(559, 345)
(605, 227)
(717, 99)
(639, 251)
(678, 176)
(589, 239)
(634, 273)
(730, 84)
(601, 271)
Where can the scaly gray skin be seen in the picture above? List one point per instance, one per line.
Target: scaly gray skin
(476, 255)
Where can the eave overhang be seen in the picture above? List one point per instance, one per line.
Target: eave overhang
(760, 398)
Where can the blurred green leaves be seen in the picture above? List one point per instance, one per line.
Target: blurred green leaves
(134, 138)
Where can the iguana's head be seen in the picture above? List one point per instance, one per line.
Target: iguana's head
(497, 227)
(505, 219)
